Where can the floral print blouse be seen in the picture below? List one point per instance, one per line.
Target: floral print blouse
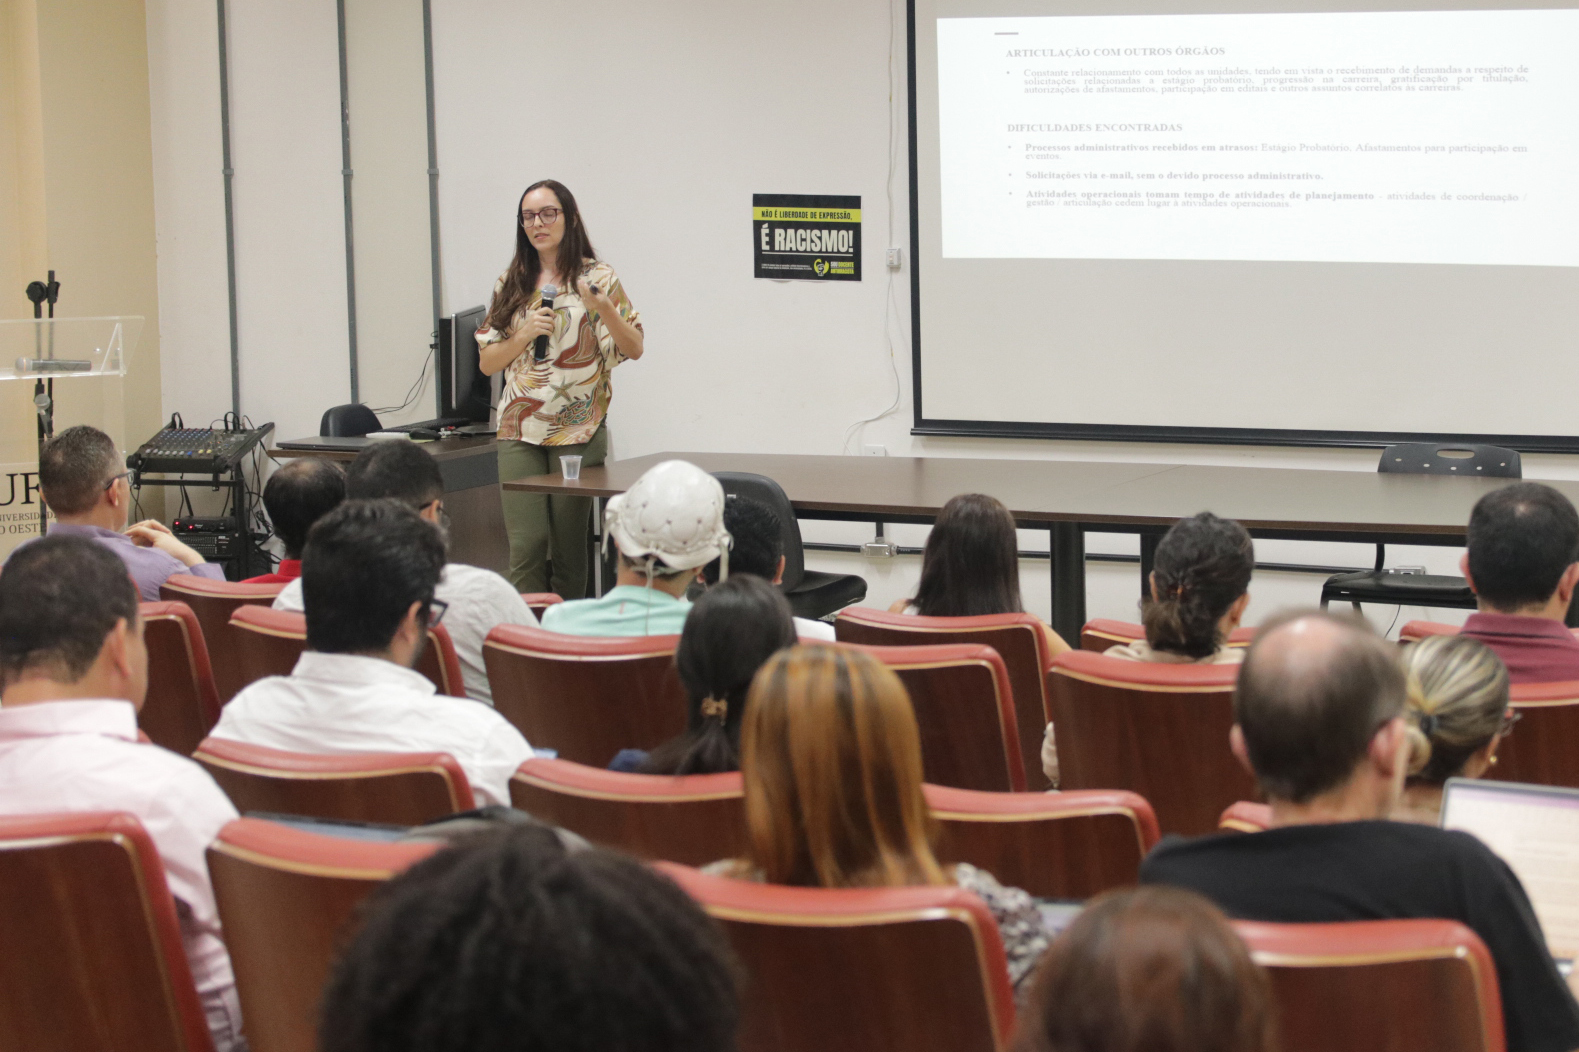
(562, 400)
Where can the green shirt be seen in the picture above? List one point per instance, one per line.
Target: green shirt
(626, 610)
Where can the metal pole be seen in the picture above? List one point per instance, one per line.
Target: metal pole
(1067, 544)
(345, 175)
(230, 208)
(433, 191)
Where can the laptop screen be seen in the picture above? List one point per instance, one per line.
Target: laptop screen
(1535, 829)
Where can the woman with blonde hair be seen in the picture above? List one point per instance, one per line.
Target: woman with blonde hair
(831, 758)
(1458, 712)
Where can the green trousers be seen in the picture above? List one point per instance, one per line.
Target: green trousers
(544, 528)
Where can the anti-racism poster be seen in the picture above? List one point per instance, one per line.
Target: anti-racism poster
(809, 237)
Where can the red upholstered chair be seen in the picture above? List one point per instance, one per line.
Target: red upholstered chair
(1414, 631)
(1100, 633)
(287, 899)
(399, 788)
(1054, 845)
(694, 819)
(1155, 729)
(1244, 816)
(270, 641)
(965, 709)
(861, 969)
(213, 602)
(182, 705)
(1544, 747)
(1400, 985)
(540, 601)
(1018, 639)
(587, 697)
(92, 948)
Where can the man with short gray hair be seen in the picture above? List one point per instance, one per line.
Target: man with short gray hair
(1319, 720)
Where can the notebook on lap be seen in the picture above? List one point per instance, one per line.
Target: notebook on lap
(1535, 829)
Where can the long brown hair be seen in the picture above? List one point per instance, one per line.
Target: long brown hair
(831, 758)
(520, 280)
(971, 565)
(1152, 968)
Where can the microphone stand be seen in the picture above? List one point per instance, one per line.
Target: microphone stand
(41, 292)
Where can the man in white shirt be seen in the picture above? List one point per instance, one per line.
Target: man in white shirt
(758, 548)
(75, 672)
(478, 599)
(368, 578)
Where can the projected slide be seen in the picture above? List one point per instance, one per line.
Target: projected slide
(1439, 137)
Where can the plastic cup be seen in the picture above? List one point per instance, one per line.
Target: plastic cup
(570, 467)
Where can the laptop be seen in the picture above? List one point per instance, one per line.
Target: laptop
(1535, 830)
(327, 443)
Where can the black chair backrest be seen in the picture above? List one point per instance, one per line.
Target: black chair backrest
(764, 489)
(348, 421)
(1448, 458)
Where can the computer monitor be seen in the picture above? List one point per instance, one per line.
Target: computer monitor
(464, 392)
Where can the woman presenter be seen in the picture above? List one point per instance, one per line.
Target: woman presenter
(557, 366)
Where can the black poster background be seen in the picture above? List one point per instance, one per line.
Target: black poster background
(809, 237)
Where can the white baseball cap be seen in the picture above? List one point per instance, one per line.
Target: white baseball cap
(675, 514)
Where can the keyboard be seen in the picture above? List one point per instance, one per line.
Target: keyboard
(195, 450)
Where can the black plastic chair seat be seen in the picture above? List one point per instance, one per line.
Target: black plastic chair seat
(1398, 589)
(811, 594)
(820, 594)
(348, 421)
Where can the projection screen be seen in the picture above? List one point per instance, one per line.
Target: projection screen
(1267, 222)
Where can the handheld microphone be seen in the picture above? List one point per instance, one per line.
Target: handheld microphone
(38, 366)
(540, 348)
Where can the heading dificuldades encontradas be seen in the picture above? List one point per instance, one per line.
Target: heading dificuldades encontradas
(1112, 52)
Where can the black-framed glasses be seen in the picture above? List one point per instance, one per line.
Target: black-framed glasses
(547, 215)
(115, 478)
(436, 610)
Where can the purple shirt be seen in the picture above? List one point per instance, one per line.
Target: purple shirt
(148, 566)
(1535, 649)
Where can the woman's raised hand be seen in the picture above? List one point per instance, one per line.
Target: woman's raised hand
(594, 298)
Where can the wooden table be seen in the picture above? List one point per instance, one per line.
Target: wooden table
(1069, 498)
(470, 467)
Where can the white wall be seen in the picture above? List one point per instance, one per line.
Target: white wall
(664, 119)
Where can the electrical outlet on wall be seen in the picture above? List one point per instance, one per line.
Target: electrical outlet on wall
(893, 259)
(874, 451)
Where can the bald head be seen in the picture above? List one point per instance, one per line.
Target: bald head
(298, 495)
(1313, 692)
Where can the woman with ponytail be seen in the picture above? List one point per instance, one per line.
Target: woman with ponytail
(730, 632)
(1199, 590)
(1458, 711)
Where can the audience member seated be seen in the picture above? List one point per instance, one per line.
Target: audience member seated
(1151, 968)
(1199, 591)
(1458, 712)
(665, 528)
(831, 760)
(733, 628)
(368, 577)
(971, 565)
(758, 548)
(81, 478)
(1521, 563)
(75, 670)
(478, 600)
(510, 940)
(1320, 721)
(296, 496)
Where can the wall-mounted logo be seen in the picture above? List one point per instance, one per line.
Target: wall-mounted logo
(813, 237)
(820, 266)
